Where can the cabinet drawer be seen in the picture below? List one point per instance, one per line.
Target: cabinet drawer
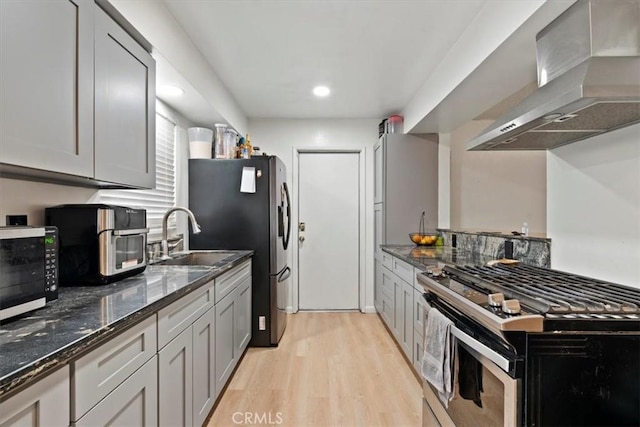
(134, 402)
(226, 283)
(387, 283)
(178, 316)
(415, 282)
(96, 374)
(387, 260)
(419, 311)
(403, 270)
(387, 311)
(44, 403)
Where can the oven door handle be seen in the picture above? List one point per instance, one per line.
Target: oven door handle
(130, 232)
(482, 349)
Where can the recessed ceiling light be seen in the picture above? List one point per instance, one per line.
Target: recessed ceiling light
(321, 91)
(170, 90)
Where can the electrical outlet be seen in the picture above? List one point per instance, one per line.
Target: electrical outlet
(262, 323)
(16, 220)
(508, 249)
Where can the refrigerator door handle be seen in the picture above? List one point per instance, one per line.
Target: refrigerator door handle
(284, 275)
(285, 240)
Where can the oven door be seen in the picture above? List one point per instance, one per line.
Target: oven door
(122, 250)
(497, 394)
(22, 265)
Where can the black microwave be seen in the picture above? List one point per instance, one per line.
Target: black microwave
(28, 269)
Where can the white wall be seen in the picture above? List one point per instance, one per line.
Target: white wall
(30, 197)
(496, 190)
(593, 206)
(279, 137)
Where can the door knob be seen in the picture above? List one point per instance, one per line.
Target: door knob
(301, 238)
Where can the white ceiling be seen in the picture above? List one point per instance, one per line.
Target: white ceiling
(373, 55)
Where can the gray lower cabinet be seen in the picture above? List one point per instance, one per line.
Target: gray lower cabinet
(175, 381)
(242, 326)
(132, 403)
(46, 64)
(406, 329)
(377, 286)
(401, 305)
(204, 377)
(45, 403)
(99, 372)
(124, 118)
(233, 322)
(403, 315)
(419, 310)
(398, 309)
(388, 305)
(225, 350)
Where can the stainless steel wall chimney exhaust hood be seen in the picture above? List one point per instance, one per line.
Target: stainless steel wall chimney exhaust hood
(588, 77)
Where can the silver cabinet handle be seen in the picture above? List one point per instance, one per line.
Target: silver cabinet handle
(301, 238)
(130, 232)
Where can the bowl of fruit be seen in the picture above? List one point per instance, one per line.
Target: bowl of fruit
(423, 239)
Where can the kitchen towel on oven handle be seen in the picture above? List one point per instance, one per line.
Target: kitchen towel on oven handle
(439, 354)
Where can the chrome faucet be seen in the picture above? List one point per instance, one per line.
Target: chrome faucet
(165, 218)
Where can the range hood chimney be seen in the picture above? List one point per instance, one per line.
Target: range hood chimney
(588, 80)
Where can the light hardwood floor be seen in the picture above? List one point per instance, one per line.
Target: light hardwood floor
(330, 369)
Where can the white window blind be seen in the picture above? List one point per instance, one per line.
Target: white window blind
(158, 200)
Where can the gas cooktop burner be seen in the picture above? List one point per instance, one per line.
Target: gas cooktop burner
(554, 292)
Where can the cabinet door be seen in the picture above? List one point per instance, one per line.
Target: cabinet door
(124, 107)
(377, 286)
(407, 321)
(378, 233)
(419, 309)
(398, 308)
(132, 403)
(44, 403)
(204, 378)
(46, 64)
(378, 172)
(388, 307)
(418, 351)
(175, 383)
(242, 324)
(225, 348)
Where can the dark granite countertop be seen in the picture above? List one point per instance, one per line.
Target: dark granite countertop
(84, 317)
(421, 256)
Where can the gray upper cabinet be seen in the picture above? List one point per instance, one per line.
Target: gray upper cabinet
(124, 107)
(378, 172)
(46, 64)
(406, 183)
(78, 95)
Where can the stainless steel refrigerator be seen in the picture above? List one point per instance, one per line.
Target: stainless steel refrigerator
(245, 204)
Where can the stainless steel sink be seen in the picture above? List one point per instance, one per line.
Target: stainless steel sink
(195, 258)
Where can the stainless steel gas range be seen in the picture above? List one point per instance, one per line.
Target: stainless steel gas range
(536, 347)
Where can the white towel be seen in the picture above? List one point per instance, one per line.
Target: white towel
(439, 353)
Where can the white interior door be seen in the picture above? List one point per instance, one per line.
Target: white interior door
(328, 248)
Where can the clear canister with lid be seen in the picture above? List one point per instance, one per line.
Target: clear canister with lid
(218, 141)
(230, 141)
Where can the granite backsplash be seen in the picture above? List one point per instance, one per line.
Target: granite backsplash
(529, 250)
